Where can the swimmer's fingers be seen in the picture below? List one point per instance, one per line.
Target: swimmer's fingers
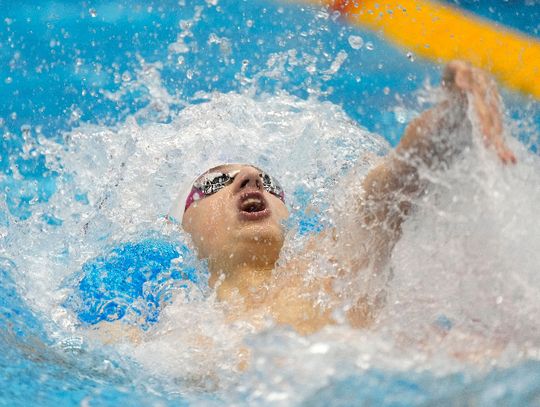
(457, 76)
(506, 155)
(462, 78)
(487, 106)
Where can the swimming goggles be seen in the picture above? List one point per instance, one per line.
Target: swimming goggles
(212, 182)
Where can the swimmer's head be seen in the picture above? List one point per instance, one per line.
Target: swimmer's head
(234, 214)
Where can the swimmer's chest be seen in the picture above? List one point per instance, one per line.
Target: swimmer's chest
(291, 303)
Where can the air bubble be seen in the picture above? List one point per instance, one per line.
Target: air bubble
(410, 56)
(355, 41)
(370, 46)
(93, 12)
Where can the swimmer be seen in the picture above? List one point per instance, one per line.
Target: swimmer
(234, 215)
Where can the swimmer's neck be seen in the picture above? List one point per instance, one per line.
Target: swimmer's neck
(248, 282)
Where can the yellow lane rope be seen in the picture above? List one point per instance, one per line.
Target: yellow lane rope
(442, 33)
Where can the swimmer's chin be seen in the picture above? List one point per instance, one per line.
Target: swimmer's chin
(260, 232)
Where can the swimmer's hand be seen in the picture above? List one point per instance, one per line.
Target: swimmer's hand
(465, 82)
(389, 189)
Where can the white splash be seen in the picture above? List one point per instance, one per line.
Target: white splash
(468, 255)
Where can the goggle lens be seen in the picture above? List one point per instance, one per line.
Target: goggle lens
(210, 183)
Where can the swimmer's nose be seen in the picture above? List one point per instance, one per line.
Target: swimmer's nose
(248, 178)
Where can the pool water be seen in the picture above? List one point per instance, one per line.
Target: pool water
(109, 107)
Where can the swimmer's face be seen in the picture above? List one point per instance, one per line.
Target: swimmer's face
(242, 222)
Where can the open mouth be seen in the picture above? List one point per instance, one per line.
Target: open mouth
(253, 205)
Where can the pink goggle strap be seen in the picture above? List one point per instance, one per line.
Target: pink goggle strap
(194, 195)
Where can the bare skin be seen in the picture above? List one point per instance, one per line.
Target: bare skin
(242, 253)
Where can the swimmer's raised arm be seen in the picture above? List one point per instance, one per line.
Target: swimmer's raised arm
(427, 143)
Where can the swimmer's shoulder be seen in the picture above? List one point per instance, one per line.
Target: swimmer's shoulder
(114, 332)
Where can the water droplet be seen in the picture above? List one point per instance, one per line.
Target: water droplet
(386, 90)
(410, 56)
(323, 14)
(26, 129)
(8, 80)
(213, 39)
(400, 115)
(75, 115)
(93, 12)
(370, 46)
(249, 23)
(355, 41)
(319, 348)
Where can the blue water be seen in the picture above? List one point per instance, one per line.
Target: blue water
(56, 61)
(110, 287)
